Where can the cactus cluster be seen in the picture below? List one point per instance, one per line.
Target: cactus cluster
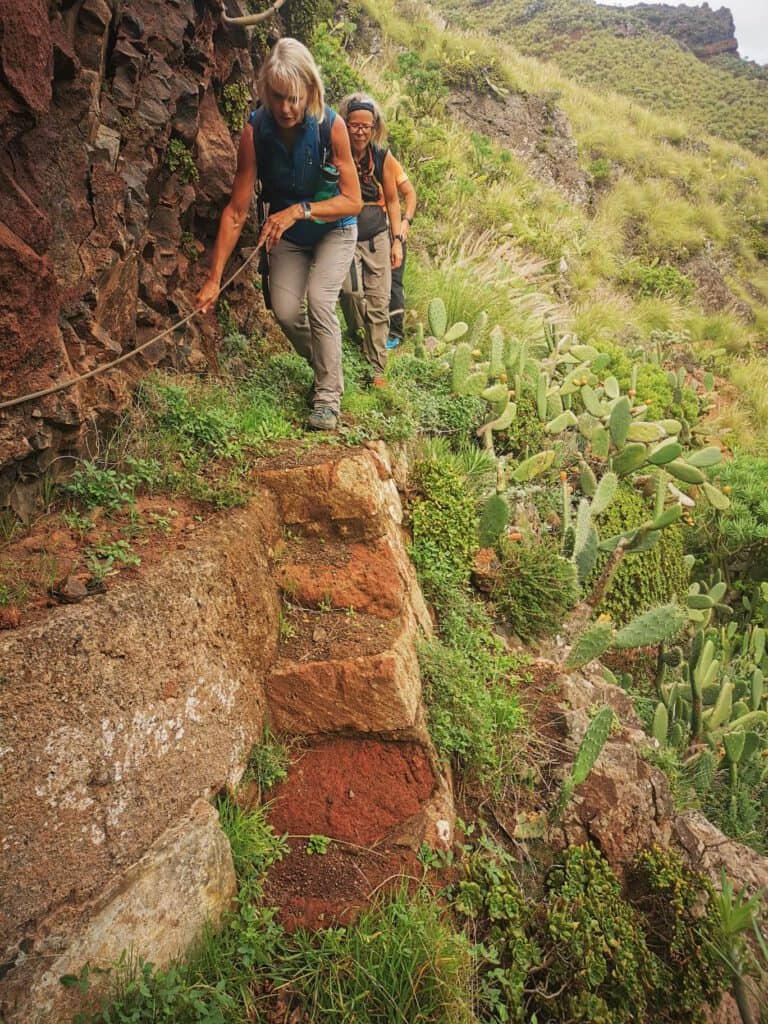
(719, 697)
(613, 438)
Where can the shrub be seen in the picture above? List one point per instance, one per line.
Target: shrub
(737, 539)
(641, 580)
(525, 435)
(235, 100)
(581, 951)
(656, 279)
(327, 47)
(179, 160)
(428, 390)
(444, 528)
(678, 904)
(536, 587)
(469, 692)
(604, 970)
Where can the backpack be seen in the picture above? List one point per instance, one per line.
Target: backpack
(372, 219)
(324, 153)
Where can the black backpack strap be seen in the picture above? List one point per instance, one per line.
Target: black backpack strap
(379, 157)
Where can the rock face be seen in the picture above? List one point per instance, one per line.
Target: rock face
(96, 233)
(535, 130)
(121, 716)
(706, 31)
(117, 715)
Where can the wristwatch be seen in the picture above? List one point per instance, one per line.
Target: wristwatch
(407, 220)
(306, 211)
(398, 238)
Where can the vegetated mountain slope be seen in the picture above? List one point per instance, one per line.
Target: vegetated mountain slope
(650, 53)
(672, 247)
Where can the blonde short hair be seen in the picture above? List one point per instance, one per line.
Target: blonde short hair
(379, 133)
(291, 67)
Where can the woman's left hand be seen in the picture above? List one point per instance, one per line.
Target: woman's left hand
(276, 225)
(397, 253)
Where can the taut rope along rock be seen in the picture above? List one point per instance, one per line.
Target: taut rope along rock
(126, 355)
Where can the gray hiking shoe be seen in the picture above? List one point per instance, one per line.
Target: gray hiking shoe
(323, 418)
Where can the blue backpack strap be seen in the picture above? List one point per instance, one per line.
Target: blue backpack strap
(254, 120)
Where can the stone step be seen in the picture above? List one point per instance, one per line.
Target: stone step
(335, 492)
(375, 688)
(377, 800)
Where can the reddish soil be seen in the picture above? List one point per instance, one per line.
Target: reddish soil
(35, 565)
(313, 572)
(332, 635)
(319, 798)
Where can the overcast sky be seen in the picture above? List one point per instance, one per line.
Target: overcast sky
(750, 17)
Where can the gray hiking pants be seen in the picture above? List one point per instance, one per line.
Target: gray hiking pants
(304, 283)
(365, 298)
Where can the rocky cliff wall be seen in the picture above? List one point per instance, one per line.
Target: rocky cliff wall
(98, 237)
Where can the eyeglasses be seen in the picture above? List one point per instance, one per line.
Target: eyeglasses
(360, 127)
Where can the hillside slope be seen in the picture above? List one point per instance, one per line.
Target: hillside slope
(649, 52)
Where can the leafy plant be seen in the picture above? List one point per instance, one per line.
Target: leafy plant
(267, 763)
(179, 160)
(470, 695)
(536, 586)
(111, 488)
(235, 99)
(317, 844)
(101, 559)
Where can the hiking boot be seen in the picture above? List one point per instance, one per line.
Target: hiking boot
(323, 418)
(393, 341)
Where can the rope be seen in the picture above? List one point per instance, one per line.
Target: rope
(127, 355)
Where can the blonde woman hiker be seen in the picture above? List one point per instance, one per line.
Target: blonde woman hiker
(365, 293)
(295, 145)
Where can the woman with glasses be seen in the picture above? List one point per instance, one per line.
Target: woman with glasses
(366, 290)
(309, 240)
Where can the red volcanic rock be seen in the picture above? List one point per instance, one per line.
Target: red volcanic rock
(26, 52)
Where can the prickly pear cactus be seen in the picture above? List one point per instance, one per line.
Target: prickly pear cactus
(437, 316)
(593, 642)
(653, 627)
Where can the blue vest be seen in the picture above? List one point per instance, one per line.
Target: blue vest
(288, 178)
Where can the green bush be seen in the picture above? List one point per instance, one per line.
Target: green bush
(444, 529)
(525, 435)
(656, 279)
(179, 160)
(327, 48)
(581, 950)
(604, 969)
(436, 408)
(235, 100)
(641, 580)
(736, 540)
(536, 587)
(470, 695)
(684, 931)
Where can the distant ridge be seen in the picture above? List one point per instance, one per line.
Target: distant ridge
(682, 61)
